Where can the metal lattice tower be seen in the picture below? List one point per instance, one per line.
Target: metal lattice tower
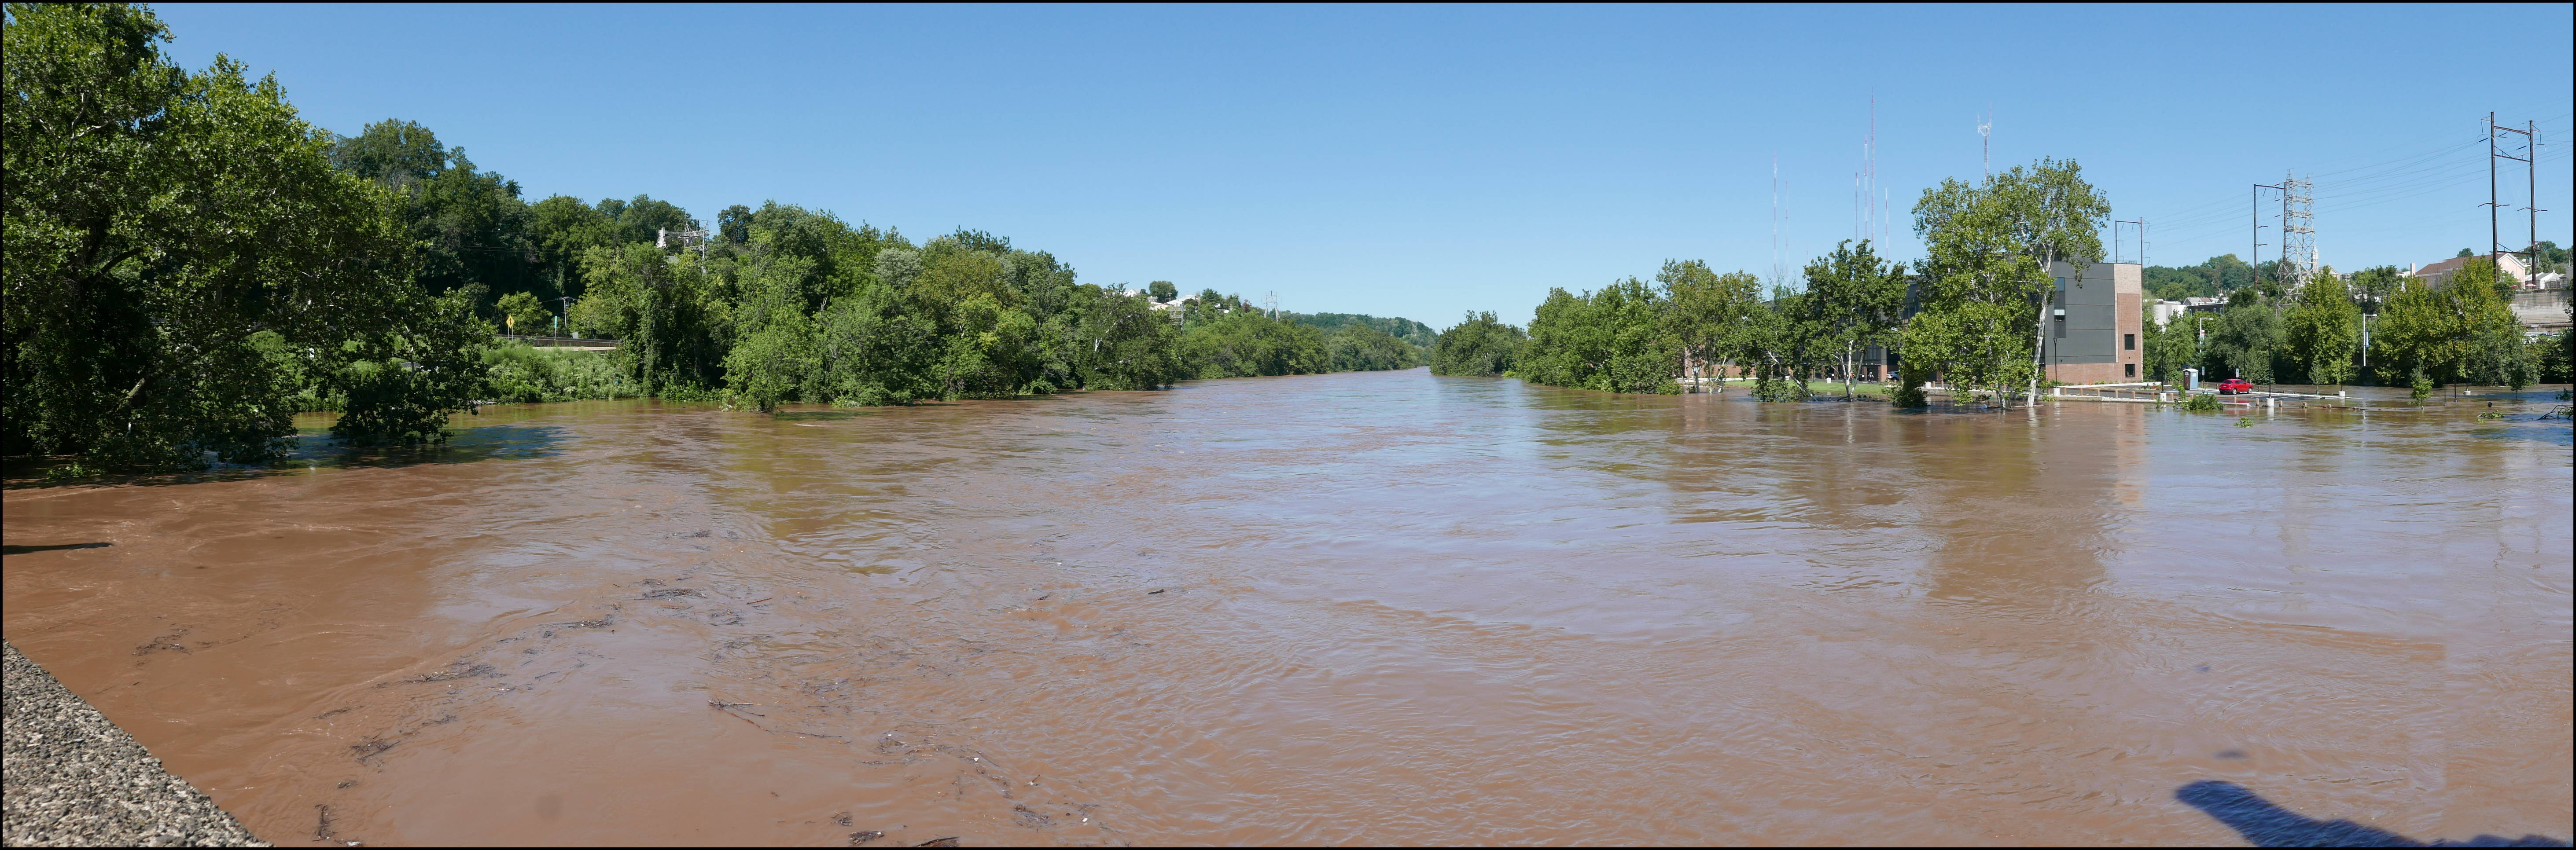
(2298, 229)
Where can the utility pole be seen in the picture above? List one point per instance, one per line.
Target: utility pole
(2142, 240)
(2257, 259)
(2530, 165)
(2531, 173)
(2492, 239)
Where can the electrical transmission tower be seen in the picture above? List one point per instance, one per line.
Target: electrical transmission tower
(2298, 231)
(666, 237)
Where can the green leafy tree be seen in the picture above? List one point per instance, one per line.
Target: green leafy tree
(470, 228)
(1120, 343)
(642, 220)
(1360, 348)
(1978, 279)
(1162, 291)
(2322, 330)
(392, 151)
(2495, 351)
(2556, 361)
(2215, 276)
(2420, 337)
(2372, 286)
(1859, 301)
(181, 253)
(1612, 339)
(1706, 313)
(878, 348)
(522, 313)
(734, 224)
(2463, 332)
(2055, 216)
(1250, 343)
(672, 321)
(1990, 247)
(2243, 341)
(2171, 347)
(1478, 345)
(1789, 343)
(776, 359)
(1408, 330)
(561, 229)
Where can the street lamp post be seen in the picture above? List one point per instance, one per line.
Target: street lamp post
(2365, 337)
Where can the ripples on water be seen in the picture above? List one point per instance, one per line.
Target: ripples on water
(1358, 608)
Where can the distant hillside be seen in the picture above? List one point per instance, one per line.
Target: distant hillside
(1400, 328)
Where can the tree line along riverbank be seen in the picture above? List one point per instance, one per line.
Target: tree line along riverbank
(1969, 314)
(190, 264)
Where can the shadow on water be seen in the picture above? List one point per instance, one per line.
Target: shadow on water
(2527, 426)
(21, 550)
(2266, 825)
(464, 445)
(315, 450)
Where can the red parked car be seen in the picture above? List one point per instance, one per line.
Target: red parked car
(2234, 386)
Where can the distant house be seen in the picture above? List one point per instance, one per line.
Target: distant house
(2539, 301)
(2439, 274)
(2163, 310)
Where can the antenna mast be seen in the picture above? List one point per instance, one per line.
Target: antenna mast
(1869, 166)
(1986, 141)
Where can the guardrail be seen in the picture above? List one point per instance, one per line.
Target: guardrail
(2153, 393)
(563, 342)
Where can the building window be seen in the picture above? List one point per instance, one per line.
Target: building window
(2061, 326)
(2128, 342)
(2130, 368)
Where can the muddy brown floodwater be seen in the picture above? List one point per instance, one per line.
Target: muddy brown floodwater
(1356, 608)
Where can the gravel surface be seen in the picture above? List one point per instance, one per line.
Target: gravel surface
(72, 779)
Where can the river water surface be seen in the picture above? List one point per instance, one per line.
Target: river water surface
(1354, 608)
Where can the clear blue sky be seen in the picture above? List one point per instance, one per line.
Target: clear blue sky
(1425, 161)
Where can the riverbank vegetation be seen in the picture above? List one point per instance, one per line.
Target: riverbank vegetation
(2463, 332)
(189, 264)
(1968, 314)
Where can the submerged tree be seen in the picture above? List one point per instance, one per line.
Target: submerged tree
(1707, 313)
(2322, 330)
(1860, 300)
(1987, 274)
(1478, 345)
(1610, 339)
